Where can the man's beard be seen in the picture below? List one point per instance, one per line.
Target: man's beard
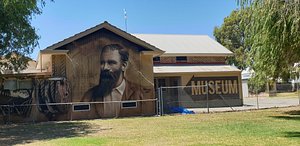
(107, 82)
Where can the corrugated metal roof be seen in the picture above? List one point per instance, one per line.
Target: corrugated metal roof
(194, 68)
(31, 69)
(185, 45)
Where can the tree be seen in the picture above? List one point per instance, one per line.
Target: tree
(272, 30)
(231, 35)
(17, 37)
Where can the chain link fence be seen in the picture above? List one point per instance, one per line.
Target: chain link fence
(31, 113)
(276, 95)
(169, 100)
(223, 97)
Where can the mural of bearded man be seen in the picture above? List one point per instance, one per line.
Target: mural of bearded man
(113, 87)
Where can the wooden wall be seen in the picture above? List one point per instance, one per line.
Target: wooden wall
(83, 67)
(83, 62)
(59, 66)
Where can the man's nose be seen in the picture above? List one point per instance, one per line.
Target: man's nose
(105, 66)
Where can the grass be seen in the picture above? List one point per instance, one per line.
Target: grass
(288, 94)
(279, 126)
(280, 95)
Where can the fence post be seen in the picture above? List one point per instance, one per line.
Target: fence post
(257, 104)
(298, 91)
(71, 116)
(157, 102)
(161, 102)
(9, 118)
(207, 104)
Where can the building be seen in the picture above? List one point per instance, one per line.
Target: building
(246, 75)
(68, 82)
(194, 61)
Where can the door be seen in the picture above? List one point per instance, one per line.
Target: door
(169, 93)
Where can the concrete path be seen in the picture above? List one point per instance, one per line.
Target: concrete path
(254, 103)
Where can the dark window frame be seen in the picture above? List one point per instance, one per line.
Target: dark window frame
(81, 104)
(128, 102)
(181, 58)
(156, 59)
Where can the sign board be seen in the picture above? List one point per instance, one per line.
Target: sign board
(198, 88)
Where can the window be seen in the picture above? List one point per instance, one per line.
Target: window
(10, 85)
(25, 84)
(162, 83)
(156, 59)
(14, 84)
(181, 59)
(81, 107)
(129, 104)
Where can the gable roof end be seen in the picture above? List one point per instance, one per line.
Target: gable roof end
(111, 28)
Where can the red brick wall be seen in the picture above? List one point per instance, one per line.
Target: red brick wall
(198, 59)
(167, 59)
(193, 60)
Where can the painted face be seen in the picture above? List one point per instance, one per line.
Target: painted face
(111, 61)
(111, 72)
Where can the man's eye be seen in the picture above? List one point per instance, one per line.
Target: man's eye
(102, 62)
(112, 62)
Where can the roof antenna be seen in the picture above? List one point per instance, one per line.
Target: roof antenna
(125, 17)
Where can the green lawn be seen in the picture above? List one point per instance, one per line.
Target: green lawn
(279, 95)
(288, 94)
(280, 126)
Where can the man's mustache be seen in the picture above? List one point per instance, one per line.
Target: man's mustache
(107, 82)
(106, 74)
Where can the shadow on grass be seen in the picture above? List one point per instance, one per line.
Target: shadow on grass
(26, 133)
(292, 134)
(290, 115)
(294, 112)
(287, 117)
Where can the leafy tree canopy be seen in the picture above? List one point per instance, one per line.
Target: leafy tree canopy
(272, 30)
(17, 37)
(231, 35)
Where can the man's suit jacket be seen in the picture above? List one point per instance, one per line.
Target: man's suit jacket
(132, 92)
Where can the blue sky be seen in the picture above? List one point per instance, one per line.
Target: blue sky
(63, 18)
